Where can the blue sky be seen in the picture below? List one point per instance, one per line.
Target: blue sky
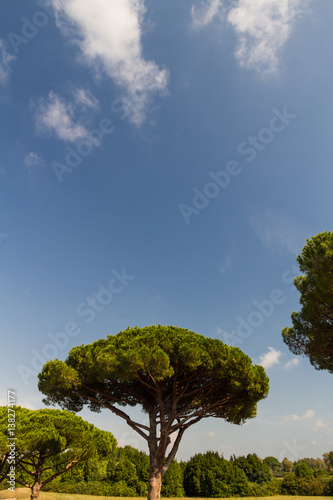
(164, 163)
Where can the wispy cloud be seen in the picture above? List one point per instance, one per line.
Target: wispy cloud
(32, 159)
(293, 418)
(226, 265)
(85, 98)
(109, 37)
(278, 231)
(54, 114)
(205, 13)
(290, 364)
(156, 300)
(270, 358)
(263, 27)
(5, 61)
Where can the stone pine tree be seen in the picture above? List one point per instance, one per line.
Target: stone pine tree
(312, 330)
(177, 376)
(51, 442)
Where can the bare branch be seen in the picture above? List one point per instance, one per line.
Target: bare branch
(134, 425)
(173, 451)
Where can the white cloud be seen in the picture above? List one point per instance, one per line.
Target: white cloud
(309, 414)
(156, 300)
(56, 115)
(85, 98)
(5, 60)
(291, 363)
(262, 26)
(212, 434)
(278, 231)
(205, 13)
(32, 159)
(320, 424)
(293, 418)
(109, 37)
(270, 358)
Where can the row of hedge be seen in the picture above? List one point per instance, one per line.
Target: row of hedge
(206, 475)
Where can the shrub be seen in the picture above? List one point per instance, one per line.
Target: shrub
(256, 470)
(172, 485)
(302, 469)
(210, 475)
(120, 489)
(307, 486)
(272, 488)
(289, 484)
(329, 488)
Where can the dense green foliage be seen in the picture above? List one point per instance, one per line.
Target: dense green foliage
(172, 485)
(328, 459)
(210, 475)
(124, 473)
(273, 464)
(51, 442)
(255, 469)
(287, 465)
(312, 330)
(329, 488)
(135, 365)
(302, 469)
(305, 486)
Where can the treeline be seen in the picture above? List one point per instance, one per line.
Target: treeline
(204, 475)
(54, 450)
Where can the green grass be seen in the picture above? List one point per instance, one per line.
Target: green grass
(24, 494)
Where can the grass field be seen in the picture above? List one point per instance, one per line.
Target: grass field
(24, 494)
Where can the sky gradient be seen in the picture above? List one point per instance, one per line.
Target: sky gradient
(164, 163)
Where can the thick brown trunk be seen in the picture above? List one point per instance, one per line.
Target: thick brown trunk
(35, 490)
(155, 484)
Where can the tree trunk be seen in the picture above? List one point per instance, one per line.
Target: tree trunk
(155, 484)
(35, 490)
